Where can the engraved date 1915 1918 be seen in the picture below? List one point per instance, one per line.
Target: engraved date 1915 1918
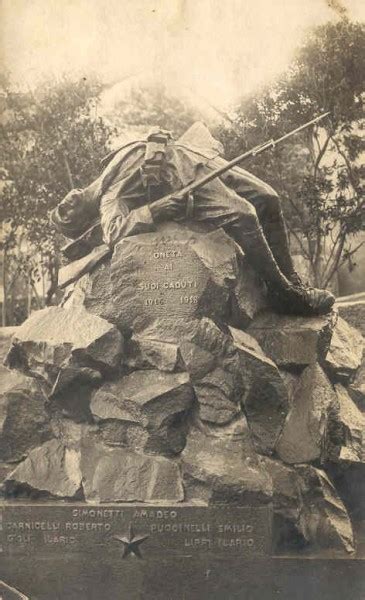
(161, 301)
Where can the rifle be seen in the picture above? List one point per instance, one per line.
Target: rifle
(79, 267)
(191, 187)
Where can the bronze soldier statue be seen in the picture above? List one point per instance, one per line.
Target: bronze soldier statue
(139, 187)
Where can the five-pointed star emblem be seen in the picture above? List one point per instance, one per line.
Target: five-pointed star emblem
(131, 542)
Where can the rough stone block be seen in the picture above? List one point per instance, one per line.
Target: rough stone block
(176, 273)
(265, 400)
(150, 406)
(120, 475)
(345, 352)
(216, 394)
(51, 468)
(356, 389)
(219, 465)
(173, 273)
(293, 341)
(55, 339)
(146, 353)
(349, 443)
(327, 522)
(308, 509)
(305, 432)
(214, 366)
(24, 421)
(353, 311)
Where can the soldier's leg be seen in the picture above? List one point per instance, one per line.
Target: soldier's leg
(269, 212)
(270, 215)
(221, 206)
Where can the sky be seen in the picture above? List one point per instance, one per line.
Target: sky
(218, 49)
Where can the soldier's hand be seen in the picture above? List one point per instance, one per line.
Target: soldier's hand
(170, 207)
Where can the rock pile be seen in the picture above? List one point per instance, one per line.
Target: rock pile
(165, 377)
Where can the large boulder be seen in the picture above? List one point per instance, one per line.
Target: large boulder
(149, 407)
(8, 379)
(345, 352)
(219, 465)
(326, 519)
(356, 388)
(174, 275)
(352, 309)
(51, 468)
(293, 341)
(305, 435)
(348, 445)
(147, 353)
(55, 340)
(212, 361)
(307, 509)
(265, 401)
(121, 475)
(24, 420)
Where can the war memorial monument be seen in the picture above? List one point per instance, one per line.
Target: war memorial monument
(189, 399)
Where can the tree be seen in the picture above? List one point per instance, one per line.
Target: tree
(317, 173)
(51, 141)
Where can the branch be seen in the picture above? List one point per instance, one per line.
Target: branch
(334, 244)
(296, 209)
(68, 171)
(336, 261)
(37, 297)
(302, 247)
(320, 154)
(351, 253)
(347, 162)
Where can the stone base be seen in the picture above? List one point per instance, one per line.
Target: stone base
(72, 551)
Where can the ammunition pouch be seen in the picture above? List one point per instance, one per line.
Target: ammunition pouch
(151, 170)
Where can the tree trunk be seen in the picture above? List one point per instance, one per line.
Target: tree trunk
(68, 171)
(29, 297)
(3, 276)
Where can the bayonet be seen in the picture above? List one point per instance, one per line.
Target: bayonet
(191, 187)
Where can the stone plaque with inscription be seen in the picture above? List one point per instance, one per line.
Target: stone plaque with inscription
(145, 530)
(174, 275)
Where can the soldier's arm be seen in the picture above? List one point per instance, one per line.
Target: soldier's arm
(117, 221)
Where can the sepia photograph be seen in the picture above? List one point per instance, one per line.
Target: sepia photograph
(182, 293)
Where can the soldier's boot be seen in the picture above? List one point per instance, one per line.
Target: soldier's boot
(289, 297)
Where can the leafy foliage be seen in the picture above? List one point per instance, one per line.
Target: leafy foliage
(318, 173)
(51, 140)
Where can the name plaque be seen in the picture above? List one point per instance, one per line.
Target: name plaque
(141, 530)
